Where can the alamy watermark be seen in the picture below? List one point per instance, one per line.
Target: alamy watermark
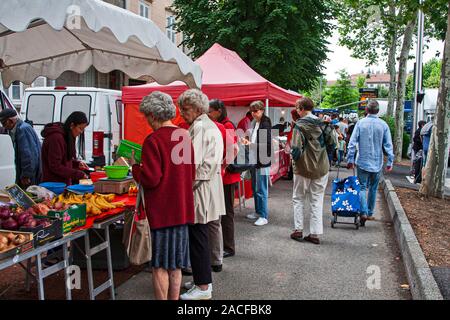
(373, 282)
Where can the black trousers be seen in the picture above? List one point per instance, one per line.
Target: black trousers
(228, 219)
(199, 253)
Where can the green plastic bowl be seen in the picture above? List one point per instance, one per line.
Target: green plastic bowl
(116, 172)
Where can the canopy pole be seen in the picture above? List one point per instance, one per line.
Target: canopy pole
(267, 108)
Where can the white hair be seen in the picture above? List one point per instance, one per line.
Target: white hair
(196, 99)
(159, 105)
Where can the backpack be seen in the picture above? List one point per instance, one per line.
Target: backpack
(325, 140)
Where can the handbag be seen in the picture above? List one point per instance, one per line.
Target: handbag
(244, 161)
(136, 236)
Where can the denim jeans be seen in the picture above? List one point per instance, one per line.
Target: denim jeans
(260, 186)
(369, 183)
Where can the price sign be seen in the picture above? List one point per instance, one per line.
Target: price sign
(19, 196)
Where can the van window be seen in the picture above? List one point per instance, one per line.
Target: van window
(119, 111)
(71, 103)
(40, 108)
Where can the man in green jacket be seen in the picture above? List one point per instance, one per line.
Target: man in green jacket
(310, 171)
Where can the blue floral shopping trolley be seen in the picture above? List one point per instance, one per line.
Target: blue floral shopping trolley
(345, 200)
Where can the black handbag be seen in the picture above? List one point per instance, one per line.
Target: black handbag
(244, 161)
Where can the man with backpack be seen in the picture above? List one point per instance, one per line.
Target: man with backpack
(371, 135)
(310, 161)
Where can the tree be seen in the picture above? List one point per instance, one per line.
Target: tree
(283, 40)
(401, 88)
(317, 92)
(368, 27)
(341, 93)
(432, 73)
(433, 182)
(382, 91)
(361, 82)
(409, 92)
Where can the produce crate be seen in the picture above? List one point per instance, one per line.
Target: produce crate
(74, 216)
(23, 248)
(42, 235)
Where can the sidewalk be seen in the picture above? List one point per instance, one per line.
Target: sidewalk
(269, 265)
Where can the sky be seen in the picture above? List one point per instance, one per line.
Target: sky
(340, 58)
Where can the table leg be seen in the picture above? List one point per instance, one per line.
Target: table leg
(87, 249)
(109, 258)
(66, 272)
(39, 278)
(243, 191)
(27, 276)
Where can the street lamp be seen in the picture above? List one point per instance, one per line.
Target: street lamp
(418, 94)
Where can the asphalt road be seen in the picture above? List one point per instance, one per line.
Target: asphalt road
(269, 265)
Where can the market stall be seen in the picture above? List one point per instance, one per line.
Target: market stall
(226, 77)
(48, 37)
(33, 223)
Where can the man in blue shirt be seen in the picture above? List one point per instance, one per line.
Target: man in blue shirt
(372, 136)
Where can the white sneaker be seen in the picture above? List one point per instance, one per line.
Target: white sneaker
(261, 222)
(252, 216)
(188, 285)
(195, 293)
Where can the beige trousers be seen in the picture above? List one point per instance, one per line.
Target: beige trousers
(307, 196)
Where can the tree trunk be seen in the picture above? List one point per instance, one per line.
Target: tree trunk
(401, 86)
(392, 64)
(433, 182)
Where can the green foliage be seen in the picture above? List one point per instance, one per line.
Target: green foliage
(409, 92)
(317, 91)
(391, 124)
(341, 93)
(406, 141)
(383, 92)
(361, 82)
(432, 73)
(283, 40)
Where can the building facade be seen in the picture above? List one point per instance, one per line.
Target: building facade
(158, 11)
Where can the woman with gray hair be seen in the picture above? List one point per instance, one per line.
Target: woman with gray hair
(208, 189)
(167, 184)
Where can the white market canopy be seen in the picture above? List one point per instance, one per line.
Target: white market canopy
(48, 37)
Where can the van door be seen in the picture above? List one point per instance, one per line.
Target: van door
(84, 102)
(39, 110)
(7, 164)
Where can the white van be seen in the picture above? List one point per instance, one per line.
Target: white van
(43, 105)
(7, 162)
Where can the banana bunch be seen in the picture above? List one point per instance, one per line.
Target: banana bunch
(95, 203)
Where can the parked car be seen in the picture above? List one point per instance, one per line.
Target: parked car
(43, 105)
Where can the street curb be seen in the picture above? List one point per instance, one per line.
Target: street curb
(423, 286)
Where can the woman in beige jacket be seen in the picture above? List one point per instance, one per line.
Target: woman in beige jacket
(209, 201)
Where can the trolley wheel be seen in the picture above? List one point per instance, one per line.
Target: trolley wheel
(333, 220)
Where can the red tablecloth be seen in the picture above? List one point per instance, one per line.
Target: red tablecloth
(130, 202)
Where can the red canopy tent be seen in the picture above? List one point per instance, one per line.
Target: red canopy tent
(225, 76)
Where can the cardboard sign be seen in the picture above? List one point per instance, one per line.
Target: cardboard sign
(19, 196)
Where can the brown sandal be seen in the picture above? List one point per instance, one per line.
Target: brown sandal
(312, 240)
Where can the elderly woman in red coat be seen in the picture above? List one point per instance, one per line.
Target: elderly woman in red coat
(167, 176)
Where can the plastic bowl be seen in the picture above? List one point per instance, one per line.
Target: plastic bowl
(97, 175)
(116, 172)
(55, 187)
(78, 188)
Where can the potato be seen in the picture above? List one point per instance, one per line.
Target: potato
(2, 246)
(3, 240)
(11, 236)
(20, 238)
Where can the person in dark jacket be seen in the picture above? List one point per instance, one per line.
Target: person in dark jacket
(59, 162)
(261, 145)
(27, 148)
(418, 145)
